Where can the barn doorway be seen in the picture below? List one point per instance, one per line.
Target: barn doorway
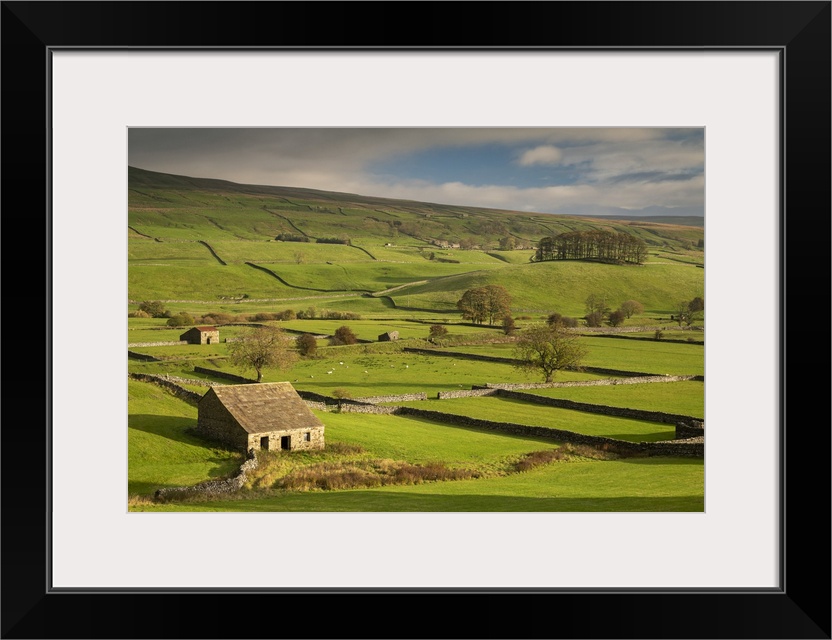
(208, 341)
(264, 443)
(286, 442)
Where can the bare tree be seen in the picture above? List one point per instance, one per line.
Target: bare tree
(616, 318)
(307, 344)
(262, 348)
(631, 308)
(343, 335)
(548, 349)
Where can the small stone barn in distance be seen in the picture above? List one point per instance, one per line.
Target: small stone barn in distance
(269, 416)
(201, 335)
(389, 336)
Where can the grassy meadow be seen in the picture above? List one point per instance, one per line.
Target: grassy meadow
(224, 253)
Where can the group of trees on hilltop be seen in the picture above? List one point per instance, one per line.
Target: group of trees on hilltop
(596, 244)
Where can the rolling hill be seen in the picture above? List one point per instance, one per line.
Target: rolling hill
(199, 239)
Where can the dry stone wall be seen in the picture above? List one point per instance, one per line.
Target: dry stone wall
(484, 358)
(690, 429)
(588, 383)
(168, 343)
(466, 393)
(187, 395)
(619, 412)
(142, 356)
(686, 448)
(211, 487)
(406, 397)
(225, 376)
(368, 408)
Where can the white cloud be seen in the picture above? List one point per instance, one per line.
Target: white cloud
(544, 154)
(619, 168)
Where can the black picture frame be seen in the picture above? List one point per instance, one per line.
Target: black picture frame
(799, 31)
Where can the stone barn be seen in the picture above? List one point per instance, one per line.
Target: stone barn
(201, 335)
(258, 416)
(389, 336)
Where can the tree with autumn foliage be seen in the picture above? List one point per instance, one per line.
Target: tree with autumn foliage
(262, 348)
(489, 303)
(548, 349)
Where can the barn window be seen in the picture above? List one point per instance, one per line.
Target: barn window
(307, 436)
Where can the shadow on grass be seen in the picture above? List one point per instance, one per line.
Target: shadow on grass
(171, 427)
(641, 437)
(222, 468)
(382, 501)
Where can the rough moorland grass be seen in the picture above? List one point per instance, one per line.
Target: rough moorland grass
(160, 451)
(517, 411)
(685, 398)
(632, 485)
(180, 216)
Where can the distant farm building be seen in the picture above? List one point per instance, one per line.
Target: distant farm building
(269, 416)
(389, 336)
(201, 335)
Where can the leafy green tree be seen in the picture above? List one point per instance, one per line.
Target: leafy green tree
(485, 304)
(155, 308)
(262, 348)
(498, 302)
(180, 320)
(472, 304)
(548, 349)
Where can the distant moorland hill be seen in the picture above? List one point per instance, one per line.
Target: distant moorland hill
(194, 239)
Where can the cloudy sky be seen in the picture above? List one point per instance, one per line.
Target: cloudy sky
(622, 171)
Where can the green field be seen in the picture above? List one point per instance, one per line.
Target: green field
(527, 413)
(564, 286)
(205, 246)
(683, 398)
(657, 358)
(637, 485)
(160, 453)
(362, 374)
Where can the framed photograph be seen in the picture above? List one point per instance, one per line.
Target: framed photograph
(725, 106)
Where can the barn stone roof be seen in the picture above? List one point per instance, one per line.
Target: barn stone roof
(263, 407)
(206, 328)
